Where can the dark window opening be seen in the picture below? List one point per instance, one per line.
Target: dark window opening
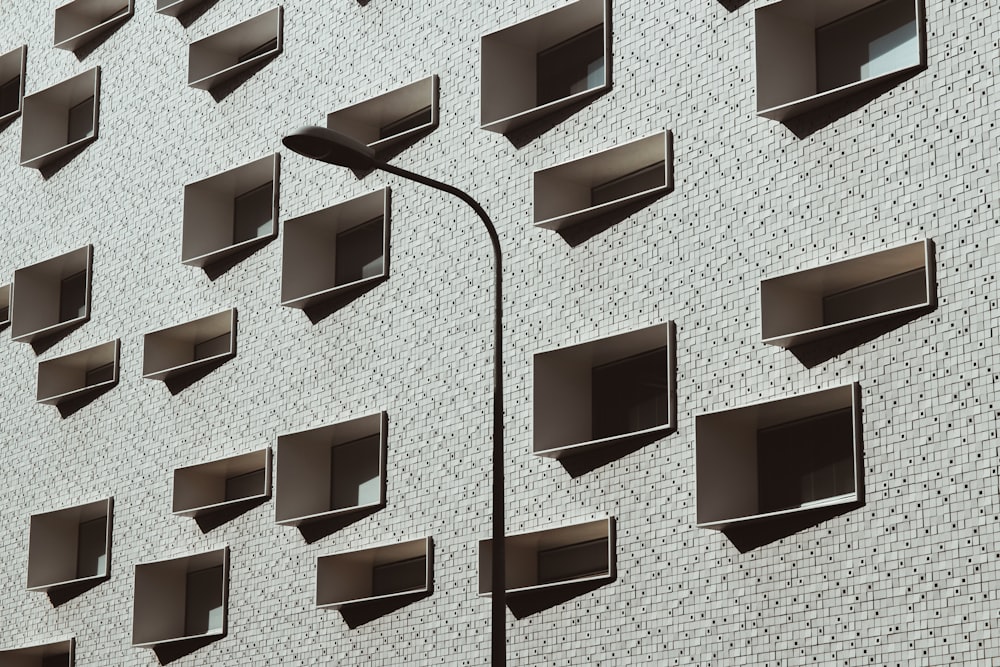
(73, 297)
(267, 46)
(805, 461)
(572, 66)
(574, 561)
(99, 374)
(10, 96)
(630, 394)
(360, 252)
(247, 485)
(639, 180)
(80, 121)
(212, 347)
(880, 296)
(408, 122)
(253, 213)
(400, 576)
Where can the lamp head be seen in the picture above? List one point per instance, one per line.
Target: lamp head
(326, 145)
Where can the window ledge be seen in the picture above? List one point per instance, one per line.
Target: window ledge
(333, 292)
(176, 640)
(518, 120)
(213, 80)
(46, 158)
(32, 336)
(818, 333)
(526, 591)
(81, 39)
(168, 373)
(68, 582)
(806, 104)
(845, 499)
(329, 514)
(581, 447)
(570, 219)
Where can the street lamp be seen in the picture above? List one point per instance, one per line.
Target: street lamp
(325, 145)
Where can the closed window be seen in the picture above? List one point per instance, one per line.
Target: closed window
(572, 66)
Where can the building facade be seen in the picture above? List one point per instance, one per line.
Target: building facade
(748, 319)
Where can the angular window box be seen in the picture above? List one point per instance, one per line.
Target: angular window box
(230, 212)
(219, 57)
(12, 65)
(186, 347)
(50, 654)
(70, 546)
(544, 559)
(335, 252)
(391, 118)
(210, 487)
(180, 599)
(51, 296)
(582, 189)
(371, 575)
(779, 457)
(541, 65)
(604, 392)
(77, 375)
(81, 21)
(810, 305)
(5, 291)
(176, 7)
(812, 52)
(331, 471)
(60, 119)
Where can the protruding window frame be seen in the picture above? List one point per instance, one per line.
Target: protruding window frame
(80, 28)
(365, 120)
(38, 126)
(191, 333)
(59, 378)
(34, 287)
(231, 44)
(50, 546)
(509, 61)
(204, 480)
(341, 577)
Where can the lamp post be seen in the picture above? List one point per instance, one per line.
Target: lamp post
(325, 145)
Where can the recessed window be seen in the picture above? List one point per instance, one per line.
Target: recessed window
(813, 304)
(51, 296)
(12, 65)
(79, 374)
(187, 347)
(581, 189)
(366, 575)
(51, 654)
(209, 487)
(219, 57)
(542, 559)
(331, 470)
(60, 119)
(69, 546)
(230, 211)
(543, 64)
(336, 251)
(390, 118)
(811, 52)
(4, 305)
(82, 21)
(604, 392)
(787, 455)
(180, 599)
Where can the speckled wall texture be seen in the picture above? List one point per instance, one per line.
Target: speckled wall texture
(905, 576)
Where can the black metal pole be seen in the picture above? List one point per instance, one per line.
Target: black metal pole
(499, 552)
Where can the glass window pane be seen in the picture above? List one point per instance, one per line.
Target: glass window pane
(80, 121)
(91, 553)
(355, 473)
(360, 250)
(873, 41)
(73, 297)
(630, 394)
(574, 561)
(253, 212)
(404, 575)
(245, 486)
(572, 66)
(203, 603)
(10, 96)
(805, 461)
